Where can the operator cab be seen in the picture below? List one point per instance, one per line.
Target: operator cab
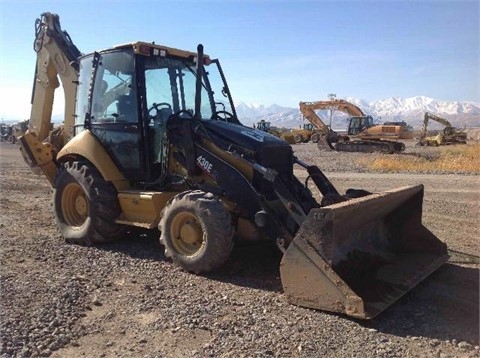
(263, 126)
(308, 126)
(359, 124)
(126, 95)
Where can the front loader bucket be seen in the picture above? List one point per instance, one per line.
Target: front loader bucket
(360, 256)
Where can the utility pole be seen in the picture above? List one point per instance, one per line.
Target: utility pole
(331, 96)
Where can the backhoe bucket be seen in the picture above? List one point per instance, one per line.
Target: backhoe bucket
(360, 256)
(325, 141)
(324, 145)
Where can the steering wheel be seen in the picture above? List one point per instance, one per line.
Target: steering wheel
(226, 116)
(157, 107)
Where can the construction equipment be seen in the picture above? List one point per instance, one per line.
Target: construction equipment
(6, 131)
(449, 134)
(305, 134)
(19, 129)
(163, 149)
(262, 125)
(10, 132)
(282, 133)
(362, 134)
(267, 127)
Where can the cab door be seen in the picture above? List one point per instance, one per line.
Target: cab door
(114, 116)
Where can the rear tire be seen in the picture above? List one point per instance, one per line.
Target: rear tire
(297, 138)
(86, 206)
(196, 231)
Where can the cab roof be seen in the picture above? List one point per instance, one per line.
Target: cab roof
(150, 48)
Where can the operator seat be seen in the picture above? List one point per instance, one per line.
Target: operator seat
(126, 108)
(163, 115)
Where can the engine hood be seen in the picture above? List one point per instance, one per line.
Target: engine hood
(242, 136)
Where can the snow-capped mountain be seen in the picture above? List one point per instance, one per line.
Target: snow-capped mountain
(410, 110)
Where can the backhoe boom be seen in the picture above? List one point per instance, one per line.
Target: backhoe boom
(56, 58)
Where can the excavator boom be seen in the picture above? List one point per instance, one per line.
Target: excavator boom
(324, 136)
(308, 111)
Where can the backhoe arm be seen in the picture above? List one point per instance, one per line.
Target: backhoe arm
(56, 58)
(429, 116)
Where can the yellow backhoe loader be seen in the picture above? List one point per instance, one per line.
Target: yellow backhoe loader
(449, 134)
(362, 134)
(151, 139)
(304, 134)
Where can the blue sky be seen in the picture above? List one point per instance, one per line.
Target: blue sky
(278, 52)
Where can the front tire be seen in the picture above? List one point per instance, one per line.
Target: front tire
(86, 206)
(196, 231)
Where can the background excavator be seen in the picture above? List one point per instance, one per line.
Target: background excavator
(449, 134)
(362, 134)
(151, 139)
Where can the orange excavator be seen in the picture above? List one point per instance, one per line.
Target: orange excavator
(362, 134)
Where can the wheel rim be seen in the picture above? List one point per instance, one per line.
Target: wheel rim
(74, 205)
(187, 233)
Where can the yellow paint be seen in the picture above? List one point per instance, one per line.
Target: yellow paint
(140, 208)
(86, 145)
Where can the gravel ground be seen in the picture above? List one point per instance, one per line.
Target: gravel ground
(125, 299)
(331, 161)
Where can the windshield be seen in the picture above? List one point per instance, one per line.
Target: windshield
(170, 84)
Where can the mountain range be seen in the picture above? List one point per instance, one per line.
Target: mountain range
(410, 110)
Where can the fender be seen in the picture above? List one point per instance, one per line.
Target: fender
(86, 145)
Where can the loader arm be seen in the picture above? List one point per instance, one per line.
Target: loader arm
(197, 145)
(56, 58)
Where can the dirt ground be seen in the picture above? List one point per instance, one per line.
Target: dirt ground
(125, 299)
